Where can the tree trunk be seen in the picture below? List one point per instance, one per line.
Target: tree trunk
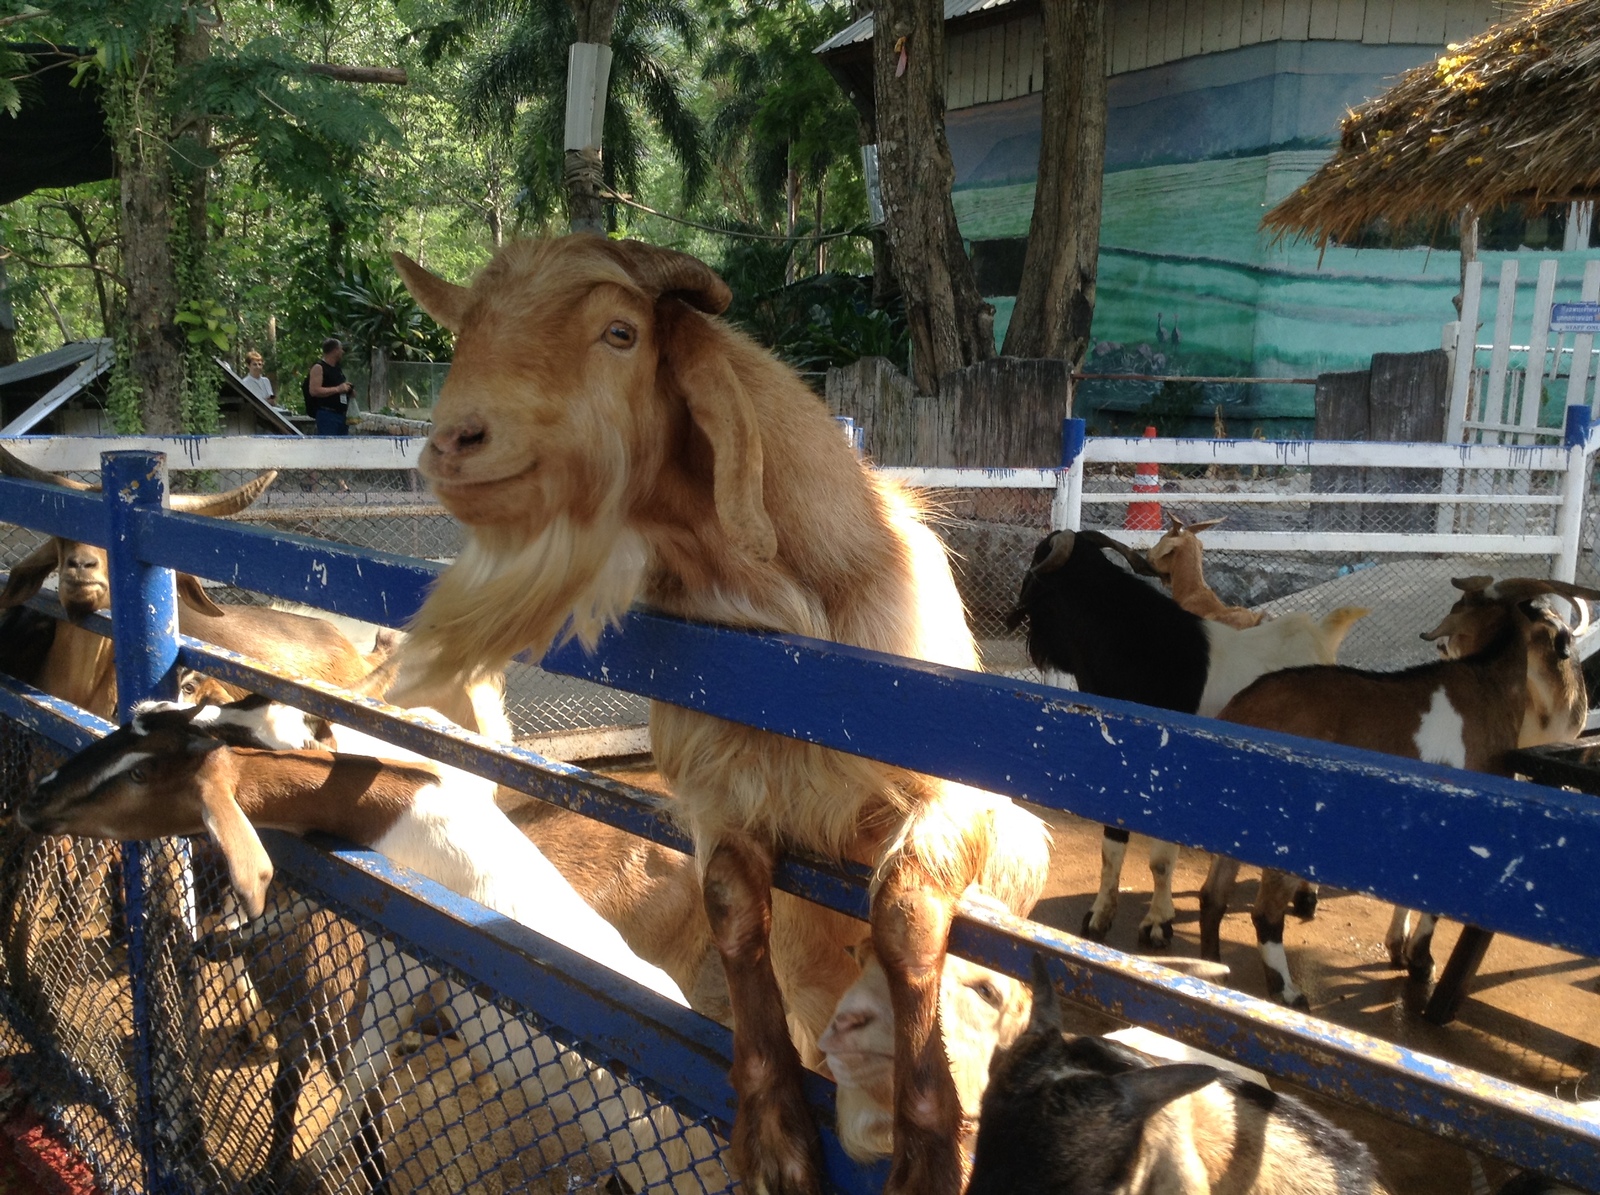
(8, 320)
(1469, 254)
(951, 326)
(791, 195)
(155, 341)
(1055, 301)
(583, 167)
(822, 245)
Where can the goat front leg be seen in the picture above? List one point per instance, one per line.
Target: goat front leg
(1156, 928)
(1272, 902)
(1113, 850)
(1214, 894)
(911, 915)
(776, 1148)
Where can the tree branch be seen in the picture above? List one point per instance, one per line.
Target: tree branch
(15, 17)
(12, 255)
(392, 75)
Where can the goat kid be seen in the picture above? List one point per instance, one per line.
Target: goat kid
(1082, 1116)
(1520, 686)
(1120, 637)
(1176, 559)
(604, 438)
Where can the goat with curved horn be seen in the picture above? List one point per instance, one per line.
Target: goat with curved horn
(228, 503)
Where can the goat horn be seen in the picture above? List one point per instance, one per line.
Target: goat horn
(230, 503)
(1061, 544)
(1139, 563)
(11, 466)
(666, 271)
(1522, 589)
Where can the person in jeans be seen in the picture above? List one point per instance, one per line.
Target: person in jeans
(326, 392)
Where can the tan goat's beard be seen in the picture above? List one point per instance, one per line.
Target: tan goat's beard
(505, 594)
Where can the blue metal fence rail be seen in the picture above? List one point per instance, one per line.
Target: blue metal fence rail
(1504, 855)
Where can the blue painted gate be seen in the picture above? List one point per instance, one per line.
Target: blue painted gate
(475, 1054)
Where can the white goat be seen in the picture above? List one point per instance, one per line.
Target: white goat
(170, 771)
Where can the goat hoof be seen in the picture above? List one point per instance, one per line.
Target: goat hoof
(1300, 1003)
(1305, 904)
(1420, 971)
(1158, 937)
(1397, 958)
(1087, 930)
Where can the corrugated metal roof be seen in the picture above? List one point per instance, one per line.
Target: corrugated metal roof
(861, 31)
(92, 357)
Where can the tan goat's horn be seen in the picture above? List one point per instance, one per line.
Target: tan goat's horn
(1061, 544)
(229, 503)
(666, 271)
(12, 466)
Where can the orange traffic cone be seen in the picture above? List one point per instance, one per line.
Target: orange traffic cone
(1145, 516)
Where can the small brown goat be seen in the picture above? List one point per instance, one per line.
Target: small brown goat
(1176, 559)
(605, 438)
(1466, 712)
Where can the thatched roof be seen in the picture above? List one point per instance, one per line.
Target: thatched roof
(1512, 116)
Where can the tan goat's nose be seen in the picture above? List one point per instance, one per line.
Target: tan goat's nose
(849, 1022)
(460, 438)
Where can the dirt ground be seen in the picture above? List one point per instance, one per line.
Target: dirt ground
(1532, 1016)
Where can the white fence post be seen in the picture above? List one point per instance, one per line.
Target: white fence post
(1066, 510)
(1574, 488)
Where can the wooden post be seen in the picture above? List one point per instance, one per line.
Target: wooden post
(1342, 413)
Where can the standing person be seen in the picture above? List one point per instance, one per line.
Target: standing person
(326, 392)
(254, 380)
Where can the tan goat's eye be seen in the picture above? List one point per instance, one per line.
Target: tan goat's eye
(621, 335)
(138, 775)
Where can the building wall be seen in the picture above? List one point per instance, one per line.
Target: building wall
(1217, 110)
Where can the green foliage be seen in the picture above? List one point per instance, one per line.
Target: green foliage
(823, 321)
(376, 311)
(207, 324)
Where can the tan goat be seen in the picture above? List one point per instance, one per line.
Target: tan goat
(79, 665)
(1176, 559)
(604, 438)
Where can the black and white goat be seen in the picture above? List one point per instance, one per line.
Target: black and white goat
(1121, 638)
(1086, 1116)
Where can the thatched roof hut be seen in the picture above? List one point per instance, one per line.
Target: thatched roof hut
(1510, 117)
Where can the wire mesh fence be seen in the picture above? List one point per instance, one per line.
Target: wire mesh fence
(307, 1051)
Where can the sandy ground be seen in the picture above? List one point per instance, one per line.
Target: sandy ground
(1533, 1015)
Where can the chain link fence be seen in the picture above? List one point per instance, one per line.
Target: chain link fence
(310, 1051)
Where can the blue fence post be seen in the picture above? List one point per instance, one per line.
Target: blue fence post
(144, 618)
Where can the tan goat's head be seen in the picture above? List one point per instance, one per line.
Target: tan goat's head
(85, 584)
(1480, 614)
(1181, 540)
(587, 386)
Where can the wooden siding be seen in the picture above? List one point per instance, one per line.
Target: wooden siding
(1004, 60)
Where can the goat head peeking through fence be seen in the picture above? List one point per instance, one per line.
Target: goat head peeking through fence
(604, 437)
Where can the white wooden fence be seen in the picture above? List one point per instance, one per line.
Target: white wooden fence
(1496, 388)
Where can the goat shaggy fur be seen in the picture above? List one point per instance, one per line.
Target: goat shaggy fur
(605, 439)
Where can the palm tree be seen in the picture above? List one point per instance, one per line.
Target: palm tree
(519, 83)
(779, 113)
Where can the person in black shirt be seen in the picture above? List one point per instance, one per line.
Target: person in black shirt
(326, 392)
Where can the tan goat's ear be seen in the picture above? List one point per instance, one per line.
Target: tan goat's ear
(29, 573)
(724, 413)
(249, 865)
(1204, 525)
(193, 594)
(668, 272)
(445, 301)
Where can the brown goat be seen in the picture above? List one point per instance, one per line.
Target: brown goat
(605, 438)
(1467, 712)
(79, 665)
(1176, 559)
